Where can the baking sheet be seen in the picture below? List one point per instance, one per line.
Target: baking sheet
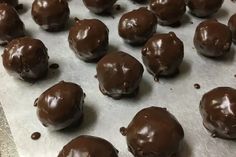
(103, 115)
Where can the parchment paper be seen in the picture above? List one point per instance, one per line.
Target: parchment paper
(103, 115)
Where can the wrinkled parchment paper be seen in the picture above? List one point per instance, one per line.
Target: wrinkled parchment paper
(103, 115)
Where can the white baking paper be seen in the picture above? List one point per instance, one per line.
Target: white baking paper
(103, 115)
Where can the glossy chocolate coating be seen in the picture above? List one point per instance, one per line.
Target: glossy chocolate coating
(13, 3)
(11, 25)
(26, 58)
(168, 12)
(218, 110)
(119, 74)
(204, 8)
(137, 26)
(51, 15)
(89, 39)
(212, 39)
(163, 54)
(153, 132)
(61, 105)
(232, 26)
(88, 146)
(99, 6)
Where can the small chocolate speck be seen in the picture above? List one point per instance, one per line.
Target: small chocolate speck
(36, 102)
(197, 86)
(118, 7)
(35, 136)
(156, 79)
(96, 76)
(54, 66)
(123, 131)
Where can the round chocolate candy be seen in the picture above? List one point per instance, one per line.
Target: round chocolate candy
(153, 132)
(218, 110)
(99, 6)
(89, 39)
(168, 12)
(26, 58)
(119, 74)
(137, 26)
(163, 54)
(13, 3)
(212, 39)
(204, 8)
(11, 25)
(61, 105)
(232, 26)
(88, 146)
(51, 15)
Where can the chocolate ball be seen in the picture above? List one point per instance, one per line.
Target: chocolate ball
(204, 8)
(26, 58)
(119, 74)
(163, 54)
(50, 15)
(232, 26)
(168, 12)
(61, 105)
(89, 39)
(13, 3)
(11, 26)
(137, 26)
(218, 110)
(153, 132)
(88, 146)
(99, 6)
(212, 39)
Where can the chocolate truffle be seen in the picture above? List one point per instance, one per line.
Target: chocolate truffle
(218, 110)
(212, 39)
(168, 12)
(163, 54)
(88, 146)
(204, 8)
(137, 26)
(153, 132)
(51, 15)
(61, 105)
(26, 58)
(119, 74)
(88, 38)
(232, 26)
(13, 3)
(99, 6)
(11, 25)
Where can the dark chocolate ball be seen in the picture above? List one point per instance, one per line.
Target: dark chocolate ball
(232, 26)
(13, 3)
(88, 146)
(51, 15)
(99, 6)
(212, 39)
(137, 26)
(119, 74)
(61, 105)
(204, 8)
(168, 12)
(89, 39)
(153, 132)
(26, 58)
(11, 25)
(218, 110)
(163, 54)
